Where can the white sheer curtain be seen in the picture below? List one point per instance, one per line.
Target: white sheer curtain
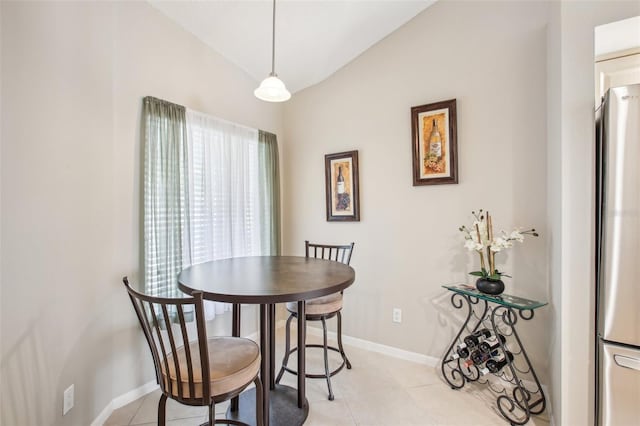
(223, 192)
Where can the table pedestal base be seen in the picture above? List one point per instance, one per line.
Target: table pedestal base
(283, 407)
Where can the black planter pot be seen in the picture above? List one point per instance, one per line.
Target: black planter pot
(492, 287)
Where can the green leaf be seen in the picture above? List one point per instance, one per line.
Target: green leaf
(501, 274)
(477, 274)
(494, 277)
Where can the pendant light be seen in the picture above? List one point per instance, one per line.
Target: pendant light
(272, 89)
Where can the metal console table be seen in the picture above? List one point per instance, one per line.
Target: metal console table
(519, 393)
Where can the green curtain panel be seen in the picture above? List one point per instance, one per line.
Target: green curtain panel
(269, 176)
(165, 195)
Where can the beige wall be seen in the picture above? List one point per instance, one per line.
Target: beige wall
(73, 76)
(573, 132)
(491, 57)
(554, 208)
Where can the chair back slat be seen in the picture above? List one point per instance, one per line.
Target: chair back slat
(166, 327)
(160, 343)
(337, 252)
(174, 350)
(144, 323)
(187, 347)
(204, 350)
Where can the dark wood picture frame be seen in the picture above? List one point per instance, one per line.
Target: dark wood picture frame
(342, 186)
(434, 143)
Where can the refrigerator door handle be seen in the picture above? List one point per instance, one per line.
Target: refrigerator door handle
(627, 362)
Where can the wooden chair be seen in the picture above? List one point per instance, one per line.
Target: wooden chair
(190, 367)
(320, 309)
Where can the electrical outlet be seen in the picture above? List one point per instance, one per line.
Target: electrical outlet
(68, 400)
(397, 315)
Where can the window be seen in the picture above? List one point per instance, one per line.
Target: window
(211, 192)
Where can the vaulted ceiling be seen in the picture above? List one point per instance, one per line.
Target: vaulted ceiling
(314, 38)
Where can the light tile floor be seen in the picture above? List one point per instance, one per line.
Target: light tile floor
(378, 390)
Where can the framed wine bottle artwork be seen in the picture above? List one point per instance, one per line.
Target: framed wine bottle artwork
(434, 143)
(341, 184)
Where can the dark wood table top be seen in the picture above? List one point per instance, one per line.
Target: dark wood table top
(266, 279)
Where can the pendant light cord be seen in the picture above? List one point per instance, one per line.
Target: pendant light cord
(273, 41)
(272, 89)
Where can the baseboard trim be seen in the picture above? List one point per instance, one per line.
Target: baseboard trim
(548, 409)
(379, 348)
(373, 347)
(122, 400)
(132, 395)
(430, 361)
(255, 336)
(104, 415)
(413, 356)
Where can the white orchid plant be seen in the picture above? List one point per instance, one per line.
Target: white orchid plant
(480, 238)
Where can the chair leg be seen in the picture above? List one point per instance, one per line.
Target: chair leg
(212, 413)
(326, 358)
(162, 404)
(287, 348)
(344, 356)
(259, 407)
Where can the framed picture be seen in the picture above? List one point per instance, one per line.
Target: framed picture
(434, 144)
(341, 183)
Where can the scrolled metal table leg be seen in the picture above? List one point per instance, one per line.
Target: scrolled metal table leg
(452, 369)
(521, 397)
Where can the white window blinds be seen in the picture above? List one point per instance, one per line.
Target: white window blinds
(224, 198)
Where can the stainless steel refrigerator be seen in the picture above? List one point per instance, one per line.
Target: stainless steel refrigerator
(618, 257)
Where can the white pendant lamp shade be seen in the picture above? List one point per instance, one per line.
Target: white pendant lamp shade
(272, 89)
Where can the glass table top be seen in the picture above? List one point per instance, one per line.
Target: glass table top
(502, 299)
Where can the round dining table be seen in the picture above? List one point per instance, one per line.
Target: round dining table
(266, 281)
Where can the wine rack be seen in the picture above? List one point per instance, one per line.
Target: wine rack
(517, 388)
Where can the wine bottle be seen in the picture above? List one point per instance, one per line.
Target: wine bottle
(340, 181)
(462, 350)
(478, 357)
(474, 339)
(490, 344)
(495, 366)
(435, 141)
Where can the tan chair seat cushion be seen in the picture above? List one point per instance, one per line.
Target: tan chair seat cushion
(320, 305)
(233, 363)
